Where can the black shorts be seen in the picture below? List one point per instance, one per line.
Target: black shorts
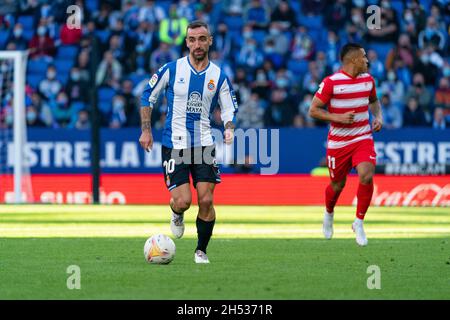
(199, 161)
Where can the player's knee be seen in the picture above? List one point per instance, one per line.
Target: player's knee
(366, 178)
(182, 203)
(338, 186)
(205, 202)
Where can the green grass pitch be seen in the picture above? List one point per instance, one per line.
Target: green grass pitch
(256, 253)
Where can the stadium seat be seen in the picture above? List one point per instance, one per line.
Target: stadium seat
(397, 5)
(136, 78)
(296, 6)
(37, 66)
(259, 36)
(34, 79)
(298, 67)
(63, 77)
(92, 5)
(63, 66)
(3, 38)
(67, 52)
(27, 22)
(77, 106)
(103, 35)
(28, 34)
(311, 22)
(234, 23)
(106, 94)
(382, 49)
(104, 107)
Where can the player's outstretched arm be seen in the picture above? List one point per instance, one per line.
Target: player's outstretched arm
(377, 122)
(146, 139)
(317, 111)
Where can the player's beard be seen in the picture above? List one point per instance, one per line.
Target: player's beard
(200, 56)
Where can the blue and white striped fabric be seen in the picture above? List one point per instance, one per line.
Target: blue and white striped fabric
(191, 97)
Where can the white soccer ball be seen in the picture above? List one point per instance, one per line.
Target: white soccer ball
(159, 249)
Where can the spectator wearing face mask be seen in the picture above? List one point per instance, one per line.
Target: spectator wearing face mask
(50, 86)
(402, 51)
(250, 57)
(41, 45)
(422, 95)
(118, 117)
(284, 15)
(394, 87)
(61, 110)
(76, 87)
(82, 122)
(439, 120)
(431, 36)
(392, 116)
(17, 38)
(33, 118)
(302, 47)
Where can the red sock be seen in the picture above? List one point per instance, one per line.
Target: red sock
(331, 198)
(364, 195)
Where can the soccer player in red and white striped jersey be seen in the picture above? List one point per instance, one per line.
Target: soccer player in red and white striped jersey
(349, 94)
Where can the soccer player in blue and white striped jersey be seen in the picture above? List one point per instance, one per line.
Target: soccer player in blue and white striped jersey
(193, 86)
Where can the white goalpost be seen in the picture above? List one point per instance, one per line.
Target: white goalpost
(14, 139)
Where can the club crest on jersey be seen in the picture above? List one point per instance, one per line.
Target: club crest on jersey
(194, 103)
(211, 85)
(153, 80)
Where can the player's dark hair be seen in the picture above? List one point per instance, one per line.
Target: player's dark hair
(197, 24)
(349, 47)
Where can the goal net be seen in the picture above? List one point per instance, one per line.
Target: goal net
(15, 178)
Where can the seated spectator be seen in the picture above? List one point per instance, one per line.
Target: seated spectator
(394, 87)
(77, 88)
(161, 56)
(82, 122)
(403, 51)
(442, 96)
(280, 112)
(61, 110)
(432, 36)
(284, 15)
(17, 38)
(261, 85)
(413, 115)
(118, 116)
(422, 95)
(131, 108)
(223, 41)
(429, 63)
(303, 109)
(376, 68)
(70, 36)
(279, 39)
(82, 63)
(392, 116)
(185, 9)
(408, 25)
(302, 47)
(50, 86)
(116, 47)
(41, 45)
(250, 55)
(314, 7)
(312, 79)
(257, 14)
(109, 71)
(151, 12)
(101, 19)
(322, 64)
(173, 30)
(336, 14)
(439, 119)
(251, 113)
(33, 118)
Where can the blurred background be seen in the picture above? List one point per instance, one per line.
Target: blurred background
(275, 52)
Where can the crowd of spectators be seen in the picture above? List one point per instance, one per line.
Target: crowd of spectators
(275, 52)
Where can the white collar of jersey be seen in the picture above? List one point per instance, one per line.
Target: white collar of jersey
(199, 73)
